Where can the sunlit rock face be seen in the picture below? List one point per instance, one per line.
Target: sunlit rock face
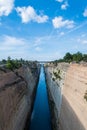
(17, 92)
(67, 86)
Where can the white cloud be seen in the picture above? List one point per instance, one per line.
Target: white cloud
(62, 33)
(38, 48)
(85, 13)
(11, 43)
(29, 14)
(6, 7)
(78, 40)
(59, 1)
(37, 41)
(77, 27)
(83, 35)
(82, 41)
(64, 6)
(58, 22)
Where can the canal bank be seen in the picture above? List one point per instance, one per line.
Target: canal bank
(40, 119)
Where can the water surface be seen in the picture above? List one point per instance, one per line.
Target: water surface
(40, 119)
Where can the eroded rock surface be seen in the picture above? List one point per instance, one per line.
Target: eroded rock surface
(67, 85)
(17, 92)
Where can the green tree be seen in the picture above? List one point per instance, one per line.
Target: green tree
(4, 61)
(77, 57)
(13, 64)
(85, 57)
(68, 57)
(9, 58)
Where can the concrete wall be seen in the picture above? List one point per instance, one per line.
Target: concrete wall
(66, 96)
(17, 92)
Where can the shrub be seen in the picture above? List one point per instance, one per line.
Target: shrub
(9, 65)
(53, 79)
(85, 96)
(57, 75)
(13, 64)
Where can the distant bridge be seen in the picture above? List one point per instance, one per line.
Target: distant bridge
(43, 62)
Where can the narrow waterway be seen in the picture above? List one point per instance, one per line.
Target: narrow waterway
(40, 119)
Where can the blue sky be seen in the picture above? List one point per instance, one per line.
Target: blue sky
(42, 30)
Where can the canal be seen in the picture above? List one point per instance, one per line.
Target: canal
(40, 119)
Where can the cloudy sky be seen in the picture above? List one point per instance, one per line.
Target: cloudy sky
(42, 30)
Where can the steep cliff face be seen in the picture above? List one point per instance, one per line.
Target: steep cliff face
(67, 85)
(17, 92)
(55, 81)
(74, 106)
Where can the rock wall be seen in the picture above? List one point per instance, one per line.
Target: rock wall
(54, 87)
(66, 96)
(17, 93)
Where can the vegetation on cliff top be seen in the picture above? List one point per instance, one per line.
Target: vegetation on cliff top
(13, 64)
(76, 57)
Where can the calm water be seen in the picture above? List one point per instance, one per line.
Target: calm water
(40, 119)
